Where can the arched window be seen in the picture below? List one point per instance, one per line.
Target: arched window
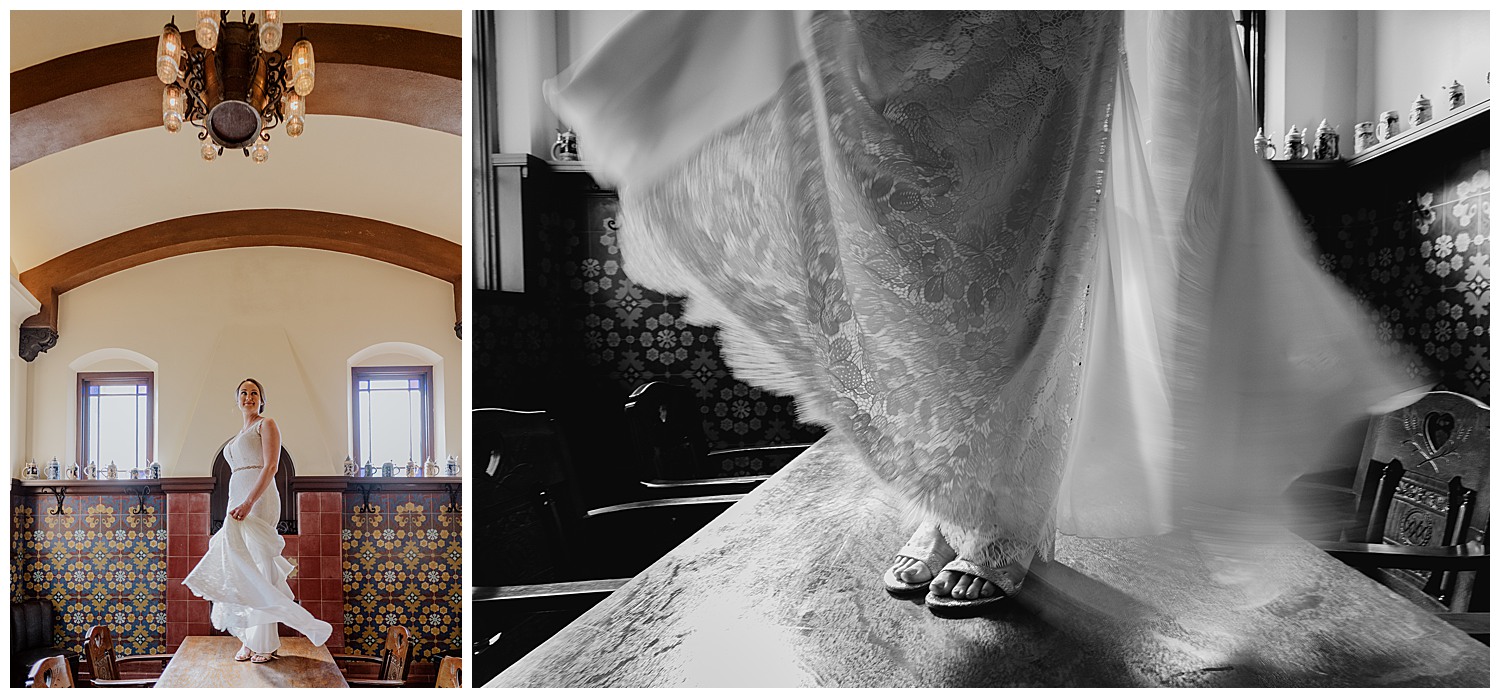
(116, 417)
(395, 404)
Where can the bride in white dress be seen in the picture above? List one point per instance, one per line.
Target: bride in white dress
(243, 572)
(1026, 302)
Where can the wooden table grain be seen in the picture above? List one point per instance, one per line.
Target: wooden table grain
(784, 589)
(208, 662)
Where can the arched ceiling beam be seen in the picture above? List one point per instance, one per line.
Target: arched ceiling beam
(400, 75)
(335, 232)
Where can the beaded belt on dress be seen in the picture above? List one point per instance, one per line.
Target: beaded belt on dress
(248, 467)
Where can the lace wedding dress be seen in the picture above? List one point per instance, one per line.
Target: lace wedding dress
(956, 242)
(243, 572)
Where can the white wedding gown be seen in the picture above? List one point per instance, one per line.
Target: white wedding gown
(243, 572)
(1027, 304)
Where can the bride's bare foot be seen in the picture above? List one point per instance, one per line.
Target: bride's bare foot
(244, 654)
(911, 570)
(922, 556)
(963, 586)
(966, 586)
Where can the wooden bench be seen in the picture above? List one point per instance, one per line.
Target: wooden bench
(208, 662)
(784, 589)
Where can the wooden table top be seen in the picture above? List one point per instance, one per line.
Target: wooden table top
(784, 589)
(208, 662)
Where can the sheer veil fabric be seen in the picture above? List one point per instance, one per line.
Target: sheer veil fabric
(954, 240)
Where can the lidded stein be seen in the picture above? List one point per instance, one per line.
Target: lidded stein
(1455, 95)
(1326, 147)
(1263, 146)
(1421, 111)
(1296, 144)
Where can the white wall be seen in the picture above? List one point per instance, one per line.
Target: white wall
(291, 318)
(1420, 52)
(533, 46)
(1348, 66)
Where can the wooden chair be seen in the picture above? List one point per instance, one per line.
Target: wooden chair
(1422, 508)
(99, 647)
(558, 550)
(527, 505)
(51, 672)
(450, 673)
(671, 449)
(31, 639)
(392, 660)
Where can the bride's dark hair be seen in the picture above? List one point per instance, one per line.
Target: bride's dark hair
(259, 387)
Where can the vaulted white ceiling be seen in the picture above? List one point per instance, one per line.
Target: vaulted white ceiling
(367, 167)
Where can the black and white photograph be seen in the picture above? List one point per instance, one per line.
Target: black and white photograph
(887, 349)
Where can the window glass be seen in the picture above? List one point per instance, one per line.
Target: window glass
(392, 414)
(116, 415)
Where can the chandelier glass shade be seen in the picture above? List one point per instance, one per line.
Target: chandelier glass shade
(234, 85)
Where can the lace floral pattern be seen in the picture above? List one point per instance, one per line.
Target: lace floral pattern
(902, 240)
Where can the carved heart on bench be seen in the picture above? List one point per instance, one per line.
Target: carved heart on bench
(1437, 428)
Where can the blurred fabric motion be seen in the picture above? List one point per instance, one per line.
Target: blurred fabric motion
(1033, 294)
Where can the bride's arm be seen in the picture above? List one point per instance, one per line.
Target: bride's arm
(270, 438)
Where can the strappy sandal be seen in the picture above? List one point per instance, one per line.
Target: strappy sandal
(259, 658)
(244, 654)
(949, 607)
(926, 545)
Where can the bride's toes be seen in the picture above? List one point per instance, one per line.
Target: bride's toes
(942, 585)
(987, 590)
(912, 571)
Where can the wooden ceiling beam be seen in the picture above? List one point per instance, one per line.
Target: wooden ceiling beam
(400, 75)
(335, 232)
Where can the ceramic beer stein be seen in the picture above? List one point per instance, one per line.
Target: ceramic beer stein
(1364, 136)
(1455, 95)
(1388, 126)
(1263, 146)
(1296, 144)
(566, 147)
(1421, 111)
(1326, 147)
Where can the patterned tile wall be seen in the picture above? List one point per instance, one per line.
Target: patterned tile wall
(1408, 233)
(102, 561)
(402, 562)
(583, 314)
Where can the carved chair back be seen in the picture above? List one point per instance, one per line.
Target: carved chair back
(450, 673)
(524, 486)
(667, 432)
(1425, 482)
(51, 672)
(99, 647)
(397, 649)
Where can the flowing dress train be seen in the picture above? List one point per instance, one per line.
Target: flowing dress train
(955, 241)
(243, 572)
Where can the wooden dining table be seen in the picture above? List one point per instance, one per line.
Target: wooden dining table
(208, 662)
(784, 589)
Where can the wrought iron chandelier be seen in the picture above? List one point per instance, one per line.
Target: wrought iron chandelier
(235, 86)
